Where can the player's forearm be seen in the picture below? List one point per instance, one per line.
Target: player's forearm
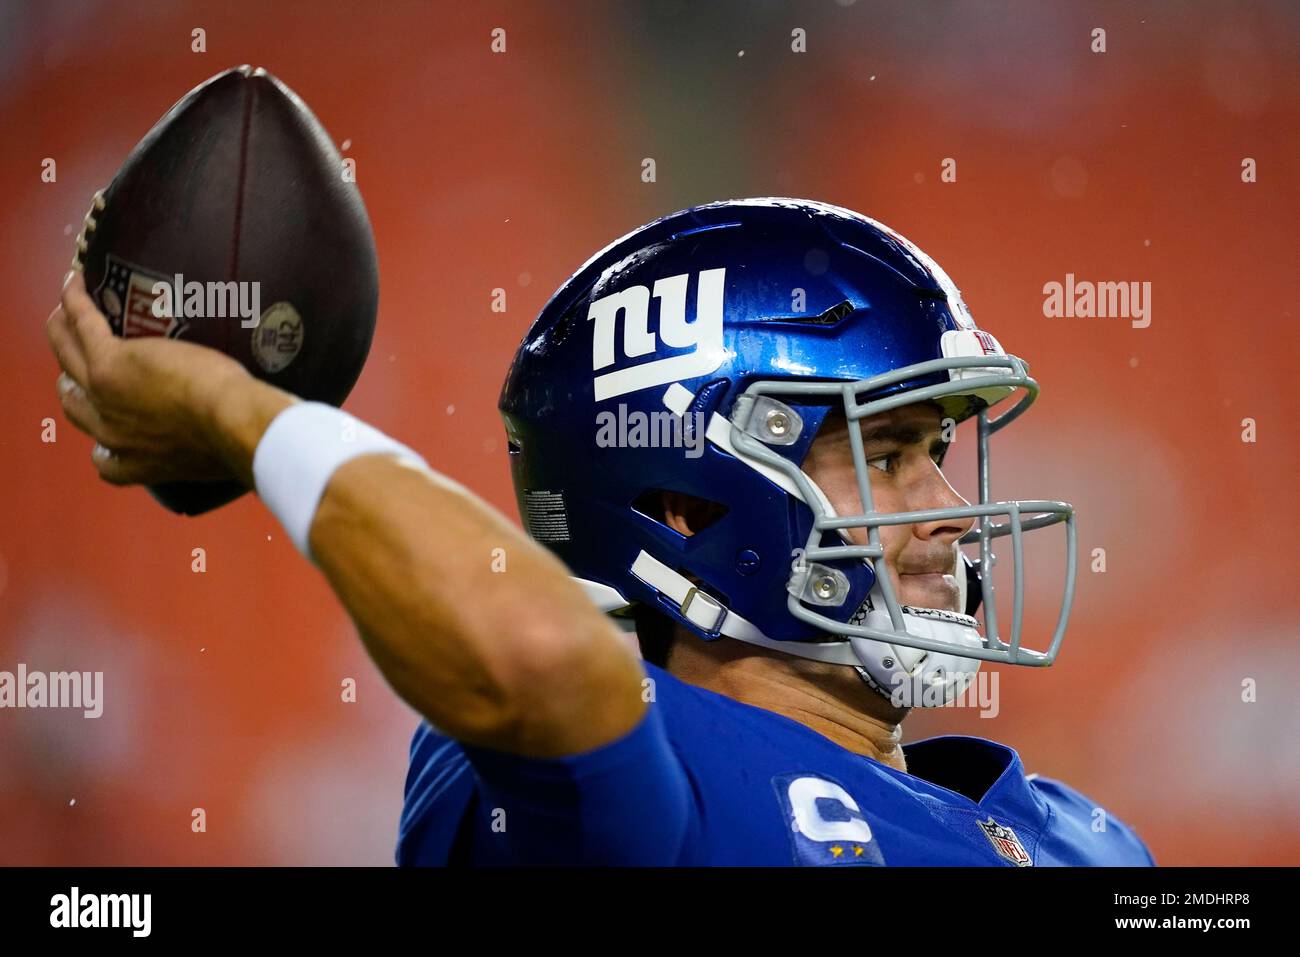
(476, 626)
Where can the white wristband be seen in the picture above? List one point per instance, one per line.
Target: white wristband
(299, 452)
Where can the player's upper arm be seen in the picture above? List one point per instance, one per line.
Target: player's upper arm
(569, 693)
(511, 657)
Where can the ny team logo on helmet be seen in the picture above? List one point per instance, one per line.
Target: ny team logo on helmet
(702, 336)
(758, 317)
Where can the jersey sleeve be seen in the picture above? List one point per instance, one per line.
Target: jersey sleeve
(628, 802)
(439, 788)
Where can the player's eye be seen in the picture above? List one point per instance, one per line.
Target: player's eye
(885, 463)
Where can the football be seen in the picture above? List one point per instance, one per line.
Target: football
(235, 224)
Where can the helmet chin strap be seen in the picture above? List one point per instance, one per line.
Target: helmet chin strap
(908, 677)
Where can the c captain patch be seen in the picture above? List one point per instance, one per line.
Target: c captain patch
(827, 827)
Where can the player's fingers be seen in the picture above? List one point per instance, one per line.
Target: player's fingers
(145, 467)
(122, 468)
(65, 345)
(89, 325)
(81, 412)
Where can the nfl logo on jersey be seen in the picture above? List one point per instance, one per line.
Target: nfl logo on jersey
(1006, 843)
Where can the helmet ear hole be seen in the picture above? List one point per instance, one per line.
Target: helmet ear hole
(684, 513)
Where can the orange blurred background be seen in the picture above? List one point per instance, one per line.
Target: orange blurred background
(485, 170)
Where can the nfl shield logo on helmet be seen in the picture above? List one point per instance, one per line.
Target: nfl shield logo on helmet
(1006, 843)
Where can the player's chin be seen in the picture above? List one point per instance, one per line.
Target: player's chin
(929, 591)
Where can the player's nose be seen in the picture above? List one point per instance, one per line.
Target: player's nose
(937, 493)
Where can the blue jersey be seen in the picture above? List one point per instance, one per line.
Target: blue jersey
(707, 780)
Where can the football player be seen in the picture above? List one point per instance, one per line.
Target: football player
(727, 433)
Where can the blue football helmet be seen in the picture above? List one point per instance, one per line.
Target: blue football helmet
(701, 354)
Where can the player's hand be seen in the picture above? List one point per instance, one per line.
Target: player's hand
(147, 402)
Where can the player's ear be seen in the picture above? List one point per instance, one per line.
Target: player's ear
(688, 514)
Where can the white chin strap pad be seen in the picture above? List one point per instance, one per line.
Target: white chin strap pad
(913, 677)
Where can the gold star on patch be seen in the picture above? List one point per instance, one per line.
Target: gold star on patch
(836, 851)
